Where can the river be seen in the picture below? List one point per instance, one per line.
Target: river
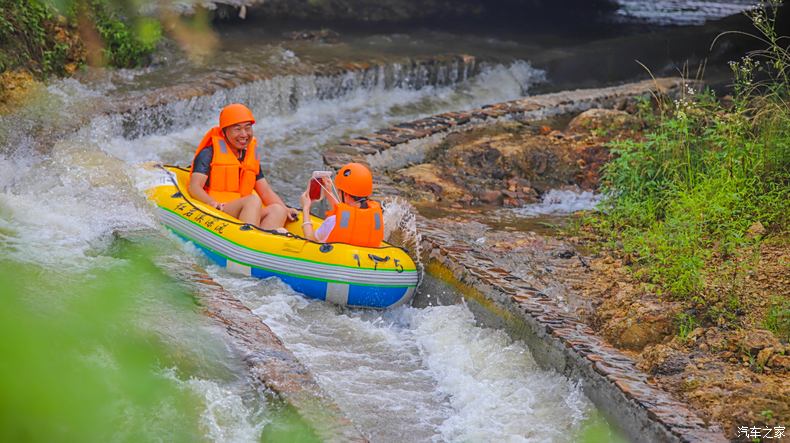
(105, 346)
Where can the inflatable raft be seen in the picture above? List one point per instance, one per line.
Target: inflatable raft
(339, 273)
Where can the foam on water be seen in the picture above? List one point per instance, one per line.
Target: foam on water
(557, 202)
(419, 374)
(64, 207)
(681, 12)
(496, 390)
(226, 418)
(400, 227)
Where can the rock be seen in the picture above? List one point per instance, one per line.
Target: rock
(780, 361)
(426, 176)
(663, 360)
(490, 197)
(763, 356)
(603, 119)
(755, 230)
(640, 334)
(696, 333)
(751, 342)
(556, 134)
(322, 35)
(565, 253)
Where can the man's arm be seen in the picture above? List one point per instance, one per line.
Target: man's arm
(267, 194)
(196, 184)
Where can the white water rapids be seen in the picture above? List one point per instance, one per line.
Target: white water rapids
(409, 374)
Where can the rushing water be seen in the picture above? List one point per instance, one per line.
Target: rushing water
(681, 12)
(93, 311)
(561, 202)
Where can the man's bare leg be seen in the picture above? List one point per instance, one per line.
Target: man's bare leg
(247, 209)
(273, 217)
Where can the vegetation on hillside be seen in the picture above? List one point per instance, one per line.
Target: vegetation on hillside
(47, 39)
(709, 180)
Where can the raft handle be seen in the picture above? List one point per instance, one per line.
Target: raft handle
(325, 247)
(246, 227)
(178, 194)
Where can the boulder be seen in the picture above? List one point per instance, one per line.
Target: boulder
(780, 362)
(663, 360)
(753, 341)
(602, 119)
(426, 177)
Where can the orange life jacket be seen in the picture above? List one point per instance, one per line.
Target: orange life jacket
(229, 179)
(357, 226)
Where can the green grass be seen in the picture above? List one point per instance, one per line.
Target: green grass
(703, 175)
(778, 318)
(686, 323)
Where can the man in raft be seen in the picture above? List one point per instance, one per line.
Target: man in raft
(227, 169)
(355, 219)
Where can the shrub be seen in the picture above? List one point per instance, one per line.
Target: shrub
(38, 37)
(705, 173)
(32, 37)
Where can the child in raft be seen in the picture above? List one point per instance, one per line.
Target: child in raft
(352, 218)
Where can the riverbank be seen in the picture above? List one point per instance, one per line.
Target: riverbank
(490, 175)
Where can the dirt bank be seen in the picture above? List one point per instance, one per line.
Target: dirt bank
(726, 365)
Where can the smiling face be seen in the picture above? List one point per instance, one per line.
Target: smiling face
(239, 135)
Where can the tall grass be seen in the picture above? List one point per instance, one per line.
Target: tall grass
(706, 172)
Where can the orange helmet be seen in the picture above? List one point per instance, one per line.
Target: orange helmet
(233, 114)
(355, 179)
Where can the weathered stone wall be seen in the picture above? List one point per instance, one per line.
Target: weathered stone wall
(557, 339)
(412, 10)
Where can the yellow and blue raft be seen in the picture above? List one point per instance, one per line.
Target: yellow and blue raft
(339, 273)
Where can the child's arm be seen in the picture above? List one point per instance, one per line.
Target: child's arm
(307, 225)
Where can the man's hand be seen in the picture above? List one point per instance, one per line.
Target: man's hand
(293, 214)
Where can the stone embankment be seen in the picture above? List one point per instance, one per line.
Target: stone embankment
(558, 339)
(403, 11)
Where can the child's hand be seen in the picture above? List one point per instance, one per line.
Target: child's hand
(305, 200)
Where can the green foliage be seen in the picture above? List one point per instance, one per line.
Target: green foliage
(704, 174)
(76, 366)
(127, 43)
(41, 37)
(778, 318)
(29, 38)
(685, 324)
